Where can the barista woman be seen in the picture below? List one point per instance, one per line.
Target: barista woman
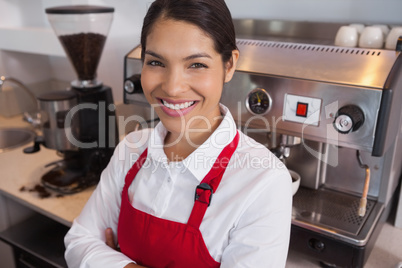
(155, 194)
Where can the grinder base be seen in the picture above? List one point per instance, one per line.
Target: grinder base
(66, 180)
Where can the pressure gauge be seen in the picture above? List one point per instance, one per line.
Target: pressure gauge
(258, 101)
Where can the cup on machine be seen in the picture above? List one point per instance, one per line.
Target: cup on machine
(371, 37)
(347, 36)
(392, 38)
(359, 27)
(384, 28)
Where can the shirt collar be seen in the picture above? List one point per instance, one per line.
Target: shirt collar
(200, 162)
(202, 159)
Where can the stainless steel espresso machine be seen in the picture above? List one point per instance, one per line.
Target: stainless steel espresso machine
(333, 114)
(80, 122)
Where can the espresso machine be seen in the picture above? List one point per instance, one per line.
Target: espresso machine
(80, 122)
(332, 114)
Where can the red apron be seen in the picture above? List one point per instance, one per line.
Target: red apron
(158, 243)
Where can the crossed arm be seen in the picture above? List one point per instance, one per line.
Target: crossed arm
(110, 242)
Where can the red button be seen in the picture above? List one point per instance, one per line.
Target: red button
(301, 109)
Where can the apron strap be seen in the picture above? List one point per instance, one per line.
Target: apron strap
(208, 186)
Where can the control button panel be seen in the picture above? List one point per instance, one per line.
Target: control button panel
(302, 109)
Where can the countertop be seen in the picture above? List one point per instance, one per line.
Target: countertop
(18, 170)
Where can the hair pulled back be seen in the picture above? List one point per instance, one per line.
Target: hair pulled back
(212, 16)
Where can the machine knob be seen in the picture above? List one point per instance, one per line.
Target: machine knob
(348, 118)
(133, 84)
(316, 244)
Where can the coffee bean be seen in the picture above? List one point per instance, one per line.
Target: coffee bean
(84, 50)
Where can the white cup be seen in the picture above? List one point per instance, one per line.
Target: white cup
(392, 38)
(384, 28)
(359, 27)
(371, 37)
(295, 181)
(346, 36)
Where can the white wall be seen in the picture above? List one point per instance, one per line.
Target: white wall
(363, 11)
(125, 30)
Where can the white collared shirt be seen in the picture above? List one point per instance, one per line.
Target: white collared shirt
(246, 225)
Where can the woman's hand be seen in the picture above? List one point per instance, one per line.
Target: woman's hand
(111, 243)
(109, 238)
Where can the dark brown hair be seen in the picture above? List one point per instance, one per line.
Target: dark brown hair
(212, 16)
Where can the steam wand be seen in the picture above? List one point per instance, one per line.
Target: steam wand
(363, 200)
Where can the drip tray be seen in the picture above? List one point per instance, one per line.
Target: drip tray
(335, 213)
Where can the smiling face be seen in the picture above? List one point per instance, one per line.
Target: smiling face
(183, 77)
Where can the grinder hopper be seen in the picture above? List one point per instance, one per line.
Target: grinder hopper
(88, 144)
(82, 31)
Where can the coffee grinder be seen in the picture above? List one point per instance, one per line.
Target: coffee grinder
(79, 123)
